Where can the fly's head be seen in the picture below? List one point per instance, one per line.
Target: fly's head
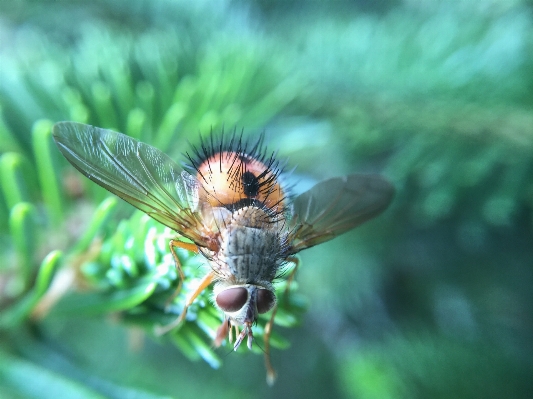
(242, 304)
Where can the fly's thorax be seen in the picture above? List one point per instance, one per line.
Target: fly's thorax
(252, 246)
(219, 218)
(242, 303)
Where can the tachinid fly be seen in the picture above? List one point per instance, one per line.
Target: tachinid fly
(231, 204)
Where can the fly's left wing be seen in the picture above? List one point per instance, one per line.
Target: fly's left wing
(136, 172)
(335, 206)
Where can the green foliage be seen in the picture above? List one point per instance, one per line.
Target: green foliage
(431, 300)
(151, 85)
(433, 366)
(446, 94)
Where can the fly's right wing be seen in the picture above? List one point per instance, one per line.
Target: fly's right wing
(335, 206)
(136, 172)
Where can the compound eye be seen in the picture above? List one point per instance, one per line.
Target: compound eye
(232, 299)
(265, 300)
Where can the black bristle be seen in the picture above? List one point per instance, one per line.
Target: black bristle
(240, 149)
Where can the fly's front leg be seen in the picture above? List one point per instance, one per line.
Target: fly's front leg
(224, 330)
(204, 283)
(173, 244)
(271, 373)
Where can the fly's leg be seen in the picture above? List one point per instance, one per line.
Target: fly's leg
(223, 331)
(173, 244)
(271, 373)
(204, 283)
(296, 262)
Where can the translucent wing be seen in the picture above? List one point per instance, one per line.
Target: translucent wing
(136, 172)
(335, 206)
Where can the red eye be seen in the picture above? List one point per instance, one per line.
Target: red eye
(265, 300)
(232, 299)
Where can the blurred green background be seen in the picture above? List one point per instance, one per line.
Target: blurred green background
(433, 299)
